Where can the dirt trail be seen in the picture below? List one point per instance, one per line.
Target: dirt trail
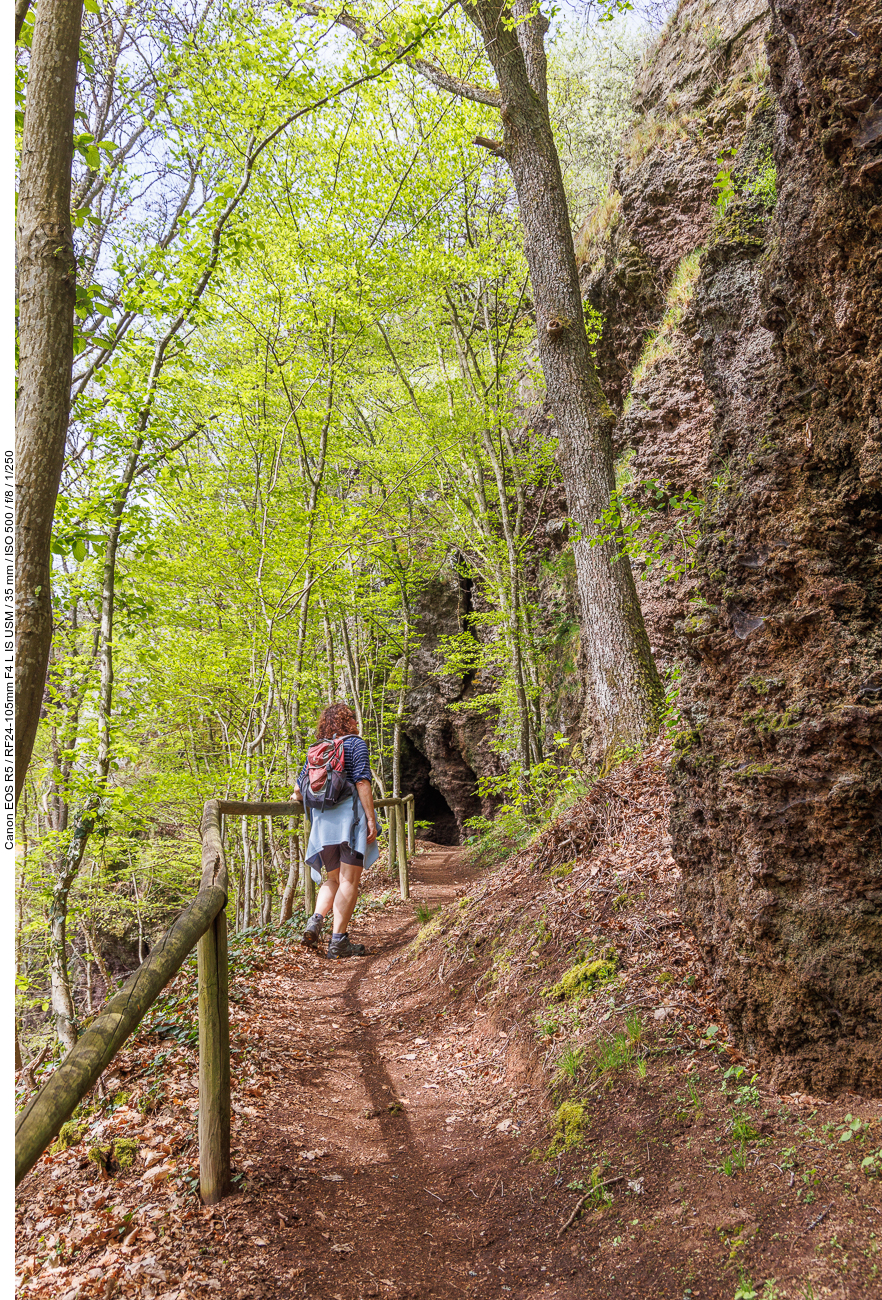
(384, 1120)
(417, 1192)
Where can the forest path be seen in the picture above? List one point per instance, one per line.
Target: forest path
(382, 1165)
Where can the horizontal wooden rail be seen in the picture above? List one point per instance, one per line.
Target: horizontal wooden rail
(203, 923)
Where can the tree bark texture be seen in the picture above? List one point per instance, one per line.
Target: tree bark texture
(63, 1009)
(47, 295)
(627, 689)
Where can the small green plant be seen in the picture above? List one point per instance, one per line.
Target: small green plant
(595, 1193)
(634, 1026)
(743, 1130)
(547, 1024)
(732, 1163)
(871, 1165)
(743, 1094)
(561, 872)
(641, 1067)
(100, 1155)
(695, 1096)
(425, 912)
(570, 1122)
(658, 343)
(724, 185)
(851, 1128)
(745, 1290)
(570, 1062)
(712, 35)
(653, 525)
(613, 1053)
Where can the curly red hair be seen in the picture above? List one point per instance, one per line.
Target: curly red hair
(336, 720)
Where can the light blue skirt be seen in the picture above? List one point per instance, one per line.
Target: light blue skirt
(345, 825)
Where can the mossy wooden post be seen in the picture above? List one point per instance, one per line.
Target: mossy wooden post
(401, 837)
(214, 1062)
(411, 835)
(390, 826)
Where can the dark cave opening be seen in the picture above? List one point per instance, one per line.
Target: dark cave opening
(431, 806)
(429, 803)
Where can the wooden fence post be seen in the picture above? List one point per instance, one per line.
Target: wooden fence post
(308, 882)
(390, 827)
(214, 1062)
(411, 834)
(401, 837)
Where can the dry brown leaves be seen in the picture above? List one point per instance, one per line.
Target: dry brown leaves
(601, 876)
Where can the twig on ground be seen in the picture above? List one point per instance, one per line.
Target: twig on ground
(814, 1223)
(493, 1189)
(572, 1219)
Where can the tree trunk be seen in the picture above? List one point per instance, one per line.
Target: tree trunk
(63, 1009)
(287, 907)
(94, 949)
(266, 875)
(627, 691)
(246, 876)
(47, 294)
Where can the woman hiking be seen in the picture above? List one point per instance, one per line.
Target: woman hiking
(335, 785)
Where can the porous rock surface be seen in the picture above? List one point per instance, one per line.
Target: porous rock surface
(763, 400)
(446, 751)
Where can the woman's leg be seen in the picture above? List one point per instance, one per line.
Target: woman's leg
(346, 895)
(328, 892)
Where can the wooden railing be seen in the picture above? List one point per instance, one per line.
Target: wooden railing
(202, 925)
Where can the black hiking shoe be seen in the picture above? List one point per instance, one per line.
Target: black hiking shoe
(313, 931)
(344, 947)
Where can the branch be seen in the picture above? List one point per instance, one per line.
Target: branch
(495, 146)
(163, 455)
(437, 76)
(21, 13)
(571, 1220)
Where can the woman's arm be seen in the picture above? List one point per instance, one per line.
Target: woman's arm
(366, 795)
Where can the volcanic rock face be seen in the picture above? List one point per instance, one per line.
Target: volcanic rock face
(447, 750)
(747, 237)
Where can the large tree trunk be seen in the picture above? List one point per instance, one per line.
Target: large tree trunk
(47, 294)
(627, 689)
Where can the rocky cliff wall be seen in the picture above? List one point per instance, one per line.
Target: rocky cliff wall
(446, 750)
(736, 263)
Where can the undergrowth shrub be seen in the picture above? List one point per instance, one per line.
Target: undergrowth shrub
(530, 801)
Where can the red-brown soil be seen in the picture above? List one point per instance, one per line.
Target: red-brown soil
(385, 1125)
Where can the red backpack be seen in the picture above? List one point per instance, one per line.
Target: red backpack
(327, 783)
